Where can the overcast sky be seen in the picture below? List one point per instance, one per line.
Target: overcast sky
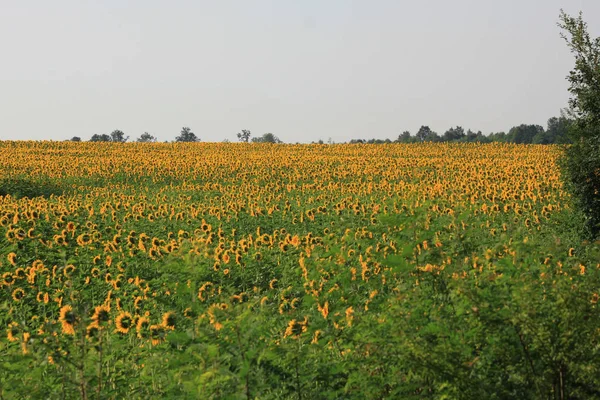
(302, 69)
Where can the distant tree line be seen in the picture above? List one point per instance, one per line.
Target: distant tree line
(186, 135)
(556, 132)
(118, 136)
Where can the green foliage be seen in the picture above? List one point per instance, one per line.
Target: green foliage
(100, 138)
(118, 136)
(581, 163)
(187, 135)
(266, 138)
(425, 134)
(22, 186)
(146, 138)
(244, 135)
(524, 133)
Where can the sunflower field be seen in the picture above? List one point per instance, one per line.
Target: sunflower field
(260, 271)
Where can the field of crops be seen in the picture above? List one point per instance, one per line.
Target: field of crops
(216, 270)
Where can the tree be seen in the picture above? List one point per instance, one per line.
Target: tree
(557, 130)
(244, 135)
(118, 136)
(75, 139)
(404, 137)
(581, 160)
(425, 134)
(187, 136)
(266, 138)
(100, 138)
(146, 137)
(453, 134)
(497, 137)
(524, 133)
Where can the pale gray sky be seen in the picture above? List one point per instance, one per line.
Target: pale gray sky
(302, 69)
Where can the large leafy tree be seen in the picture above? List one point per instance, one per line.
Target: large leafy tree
(582, 159)
(425, 134)
(100, 138)
(244, 135)
(404, 137)
(146, 137)
(187, 135)
(524, 133)
(267, 138)
(556, 132)
(118, 136)
(453, 134)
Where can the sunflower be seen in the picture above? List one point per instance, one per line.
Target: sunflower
(26, 336)
(18, 294)
(70, 226)
(12, 258)
(92, 330)
(189, 313)
(7, 279)
(142, 327)
(324, 310)
(67, 318)
(19, 273)
(349, 315)
(296, 328)
(101, 314)
(168, 320)
(20, 234)
(119, 303)
(138, 302)
(157, 334)
(68, 270)
(153, 253)
(12, 332)
(315, 338)
(225, 258)
(84, 239)
(123, 322)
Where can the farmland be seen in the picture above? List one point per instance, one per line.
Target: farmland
(217, 270)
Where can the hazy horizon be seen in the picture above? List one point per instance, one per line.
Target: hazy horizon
(302, 70)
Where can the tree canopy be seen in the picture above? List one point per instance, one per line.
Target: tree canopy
(146, 137)
(266, 138)
(187, 135)
(581, 161)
